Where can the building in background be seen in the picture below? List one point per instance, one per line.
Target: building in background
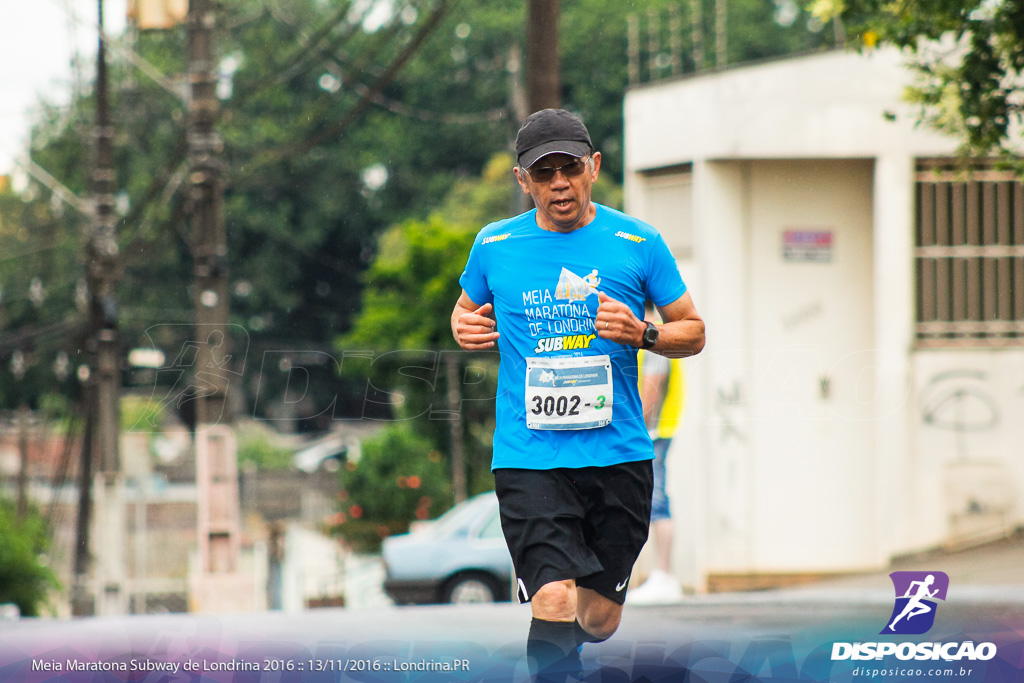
(860, 392)
(287, 561)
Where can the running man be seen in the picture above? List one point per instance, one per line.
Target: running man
(560, 292)
(915, 605)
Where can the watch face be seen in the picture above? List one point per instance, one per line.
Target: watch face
(650, 335)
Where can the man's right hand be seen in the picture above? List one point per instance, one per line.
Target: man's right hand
(474, 330)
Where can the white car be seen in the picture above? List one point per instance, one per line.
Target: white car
(460, 557)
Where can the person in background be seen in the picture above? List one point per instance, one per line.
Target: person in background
(662, 384)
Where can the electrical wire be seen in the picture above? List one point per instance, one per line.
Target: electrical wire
(36, 335)
(402, 109)
(333, 130)
(127, 52)
(61, 475)
(311, 43)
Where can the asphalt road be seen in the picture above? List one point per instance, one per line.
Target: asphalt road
(771, 636)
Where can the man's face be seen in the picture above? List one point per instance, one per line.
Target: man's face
(563, 203)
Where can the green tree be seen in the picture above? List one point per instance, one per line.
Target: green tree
(40, 323)
(410, 289)
(326, 144)
(24, 579)
(968, 56)
(398, 477)
(256, 446)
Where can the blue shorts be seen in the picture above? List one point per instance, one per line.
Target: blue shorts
(660, 505)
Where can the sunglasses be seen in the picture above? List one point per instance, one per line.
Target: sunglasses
(545, 174)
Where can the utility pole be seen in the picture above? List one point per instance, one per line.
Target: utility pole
(104, 378)
(23, 420)
(455, 426)
(543, 81)
(80, 604)
(217, 586)
(209, 238)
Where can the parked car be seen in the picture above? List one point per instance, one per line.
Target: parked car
(460, 557)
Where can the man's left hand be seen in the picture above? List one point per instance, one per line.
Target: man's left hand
(616, 322)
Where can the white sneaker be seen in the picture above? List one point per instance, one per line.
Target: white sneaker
(659, 589)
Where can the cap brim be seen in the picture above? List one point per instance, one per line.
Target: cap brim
(570, 147)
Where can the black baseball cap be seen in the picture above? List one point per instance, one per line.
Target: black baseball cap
(551, 131)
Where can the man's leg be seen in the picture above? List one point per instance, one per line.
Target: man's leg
(552, 642)
(597, 616)
(541, 518)
(565, 617)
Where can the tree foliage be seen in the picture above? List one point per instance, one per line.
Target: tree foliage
(410, 289)
(968, 56)
(40, 323)
(256, 446)
(24, 579)
(327, 143)
(398, 477)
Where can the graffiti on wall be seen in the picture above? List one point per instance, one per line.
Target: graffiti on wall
(961, 401)
(728, 399)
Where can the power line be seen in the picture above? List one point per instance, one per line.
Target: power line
(127, 52)
(312, 42)
(396, 107)
(60, 329)
(10, 255)
(335, 129)
(63, 193)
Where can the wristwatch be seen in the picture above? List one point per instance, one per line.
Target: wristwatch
(650, 336)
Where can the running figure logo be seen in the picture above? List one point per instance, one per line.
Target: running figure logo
(916, 592)
(575, 288)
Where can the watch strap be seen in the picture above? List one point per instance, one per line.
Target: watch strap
(648, 339)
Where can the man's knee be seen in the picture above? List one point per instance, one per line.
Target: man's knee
(598, 615)
(555, 601)
(601, 626)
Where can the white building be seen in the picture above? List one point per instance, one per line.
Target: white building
(861, 395)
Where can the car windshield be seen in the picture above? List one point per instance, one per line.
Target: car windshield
(460, 516)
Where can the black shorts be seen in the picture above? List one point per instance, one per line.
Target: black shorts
(587, 524)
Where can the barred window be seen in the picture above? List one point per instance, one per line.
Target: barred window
(969, 256)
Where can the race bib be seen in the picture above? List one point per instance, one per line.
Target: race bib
(568, 393)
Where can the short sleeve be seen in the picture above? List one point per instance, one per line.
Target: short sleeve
(474, 280)
(664, 283)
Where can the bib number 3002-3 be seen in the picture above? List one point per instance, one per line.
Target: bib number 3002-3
(568, 393)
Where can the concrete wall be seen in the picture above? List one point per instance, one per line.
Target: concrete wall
(966, 474)
(832, 105)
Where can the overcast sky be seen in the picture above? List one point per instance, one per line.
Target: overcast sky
(37, 40)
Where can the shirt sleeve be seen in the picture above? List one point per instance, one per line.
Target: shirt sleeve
(474, 280)
(664, 283)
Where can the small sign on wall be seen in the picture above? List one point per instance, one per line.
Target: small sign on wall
(807, 246)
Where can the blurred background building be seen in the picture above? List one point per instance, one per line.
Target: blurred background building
(859, 395)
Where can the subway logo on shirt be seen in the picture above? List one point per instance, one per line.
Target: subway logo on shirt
(567, 343)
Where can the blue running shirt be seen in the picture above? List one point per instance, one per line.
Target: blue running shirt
(543, 286)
